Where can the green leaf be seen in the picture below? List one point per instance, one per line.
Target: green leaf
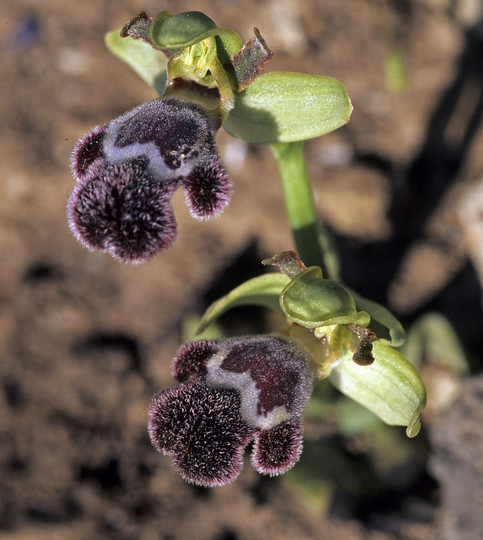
(262, 290)
(396, 72)
(288, 107)
(189, 329)
(390, 387)
(383, 323)
(145, 61)
(433, 339)
(312, 302)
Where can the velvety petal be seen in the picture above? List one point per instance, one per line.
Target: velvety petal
(201, 428)
(88, 152)
(276, 450)
(191, 359)
(208, 189)
(123, 210)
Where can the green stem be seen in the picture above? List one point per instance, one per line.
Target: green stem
(299, 202)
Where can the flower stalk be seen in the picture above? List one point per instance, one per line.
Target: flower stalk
(299, 201)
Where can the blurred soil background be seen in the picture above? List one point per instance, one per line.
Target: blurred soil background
(86, 342)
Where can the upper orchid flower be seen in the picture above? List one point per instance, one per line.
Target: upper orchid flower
(128, 169)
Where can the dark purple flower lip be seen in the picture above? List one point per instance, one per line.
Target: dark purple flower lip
(125, 212)
(128, 169)
(87, 151)
(200, 428)
(234, 391)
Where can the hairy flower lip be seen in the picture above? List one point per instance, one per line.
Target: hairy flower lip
(222, 463)
(232, 391)
(82, 163)
(100, 218)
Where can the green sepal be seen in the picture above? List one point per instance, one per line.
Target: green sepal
(171, 33)
(288, 107)
(383, 323)
(145, 61)
(390, 387)
(312, 302)
(262, 291)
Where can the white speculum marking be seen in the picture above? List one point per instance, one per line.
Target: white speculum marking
(249, 394)
(157, 166)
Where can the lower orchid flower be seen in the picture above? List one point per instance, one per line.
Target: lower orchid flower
(233, 391)
(127, 171)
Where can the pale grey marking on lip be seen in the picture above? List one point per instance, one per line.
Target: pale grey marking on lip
(249, 393)
(156, 166)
